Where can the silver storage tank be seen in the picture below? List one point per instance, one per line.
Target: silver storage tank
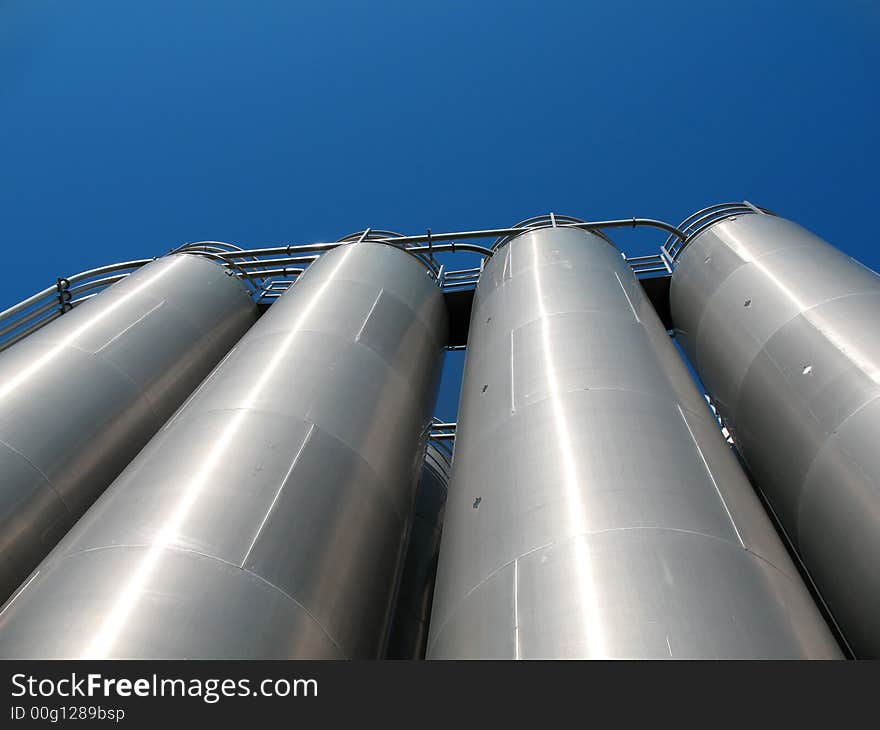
(784, 331)
(409, 629)
(80, 397)
(267, 518)
(594, 509)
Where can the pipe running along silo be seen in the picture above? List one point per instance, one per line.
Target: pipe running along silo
(412, 613)
(782, 328)
(80, 397)
(267, 518)
(594, 508)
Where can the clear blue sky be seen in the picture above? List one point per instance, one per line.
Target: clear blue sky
(127, 128)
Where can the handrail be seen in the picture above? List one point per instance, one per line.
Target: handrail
(397, 240)
(262, 269)
(442, 435)
(698, 222)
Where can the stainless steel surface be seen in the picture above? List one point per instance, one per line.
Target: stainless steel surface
(595, 510)
(35, 312)
(412, 614)
(783, 330)
(697, 222)
(267, 518)
(80, 397)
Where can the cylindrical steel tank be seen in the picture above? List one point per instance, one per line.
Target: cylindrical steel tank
(80, 397)
(267, 518)
(784, 331)
(409, 629)
(594, 508)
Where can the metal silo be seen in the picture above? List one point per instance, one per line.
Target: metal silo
(81, 396)
(595, 509)
(409, 629)
(267, 518)
(783, 330)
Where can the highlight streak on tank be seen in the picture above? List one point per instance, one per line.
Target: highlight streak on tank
(80, 397)
(595, 509)
(783, 330)
(267, 518)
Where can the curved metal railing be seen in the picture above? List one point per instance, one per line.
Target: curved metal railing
(697, 222)
(269, 271)
(221, 252)
(550, 220)
(392, 238)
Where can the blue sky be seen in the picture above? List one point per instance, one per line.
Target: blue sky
(127, 128)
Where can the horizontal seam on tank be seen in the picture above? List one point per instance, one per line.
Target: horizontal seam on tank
(179, 313)
(130, 326)
(737, 214)
(341, 338)
(138, 389)
(126, 377)
(705, 418)
(801, 313)
(508, 333)
(201, 386)
(354, 339)
(625, 315)
(649, 394)
(569, 538)
(809, 471)
(638, 323)
(199, 331)
(720, 283)
(763, 342)
(738, 391)
(409, 384)
(599, 267)
(416, 315)
(188, 551)
(499, 287)
(323, 430)
(40, 472)
(744, 261)
(199, 334)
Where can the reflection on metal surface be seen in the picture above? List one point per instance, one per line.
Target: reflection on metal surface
(574, 508)
(81, 396)
(267, 518)
(595, 510)
(796, 378)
